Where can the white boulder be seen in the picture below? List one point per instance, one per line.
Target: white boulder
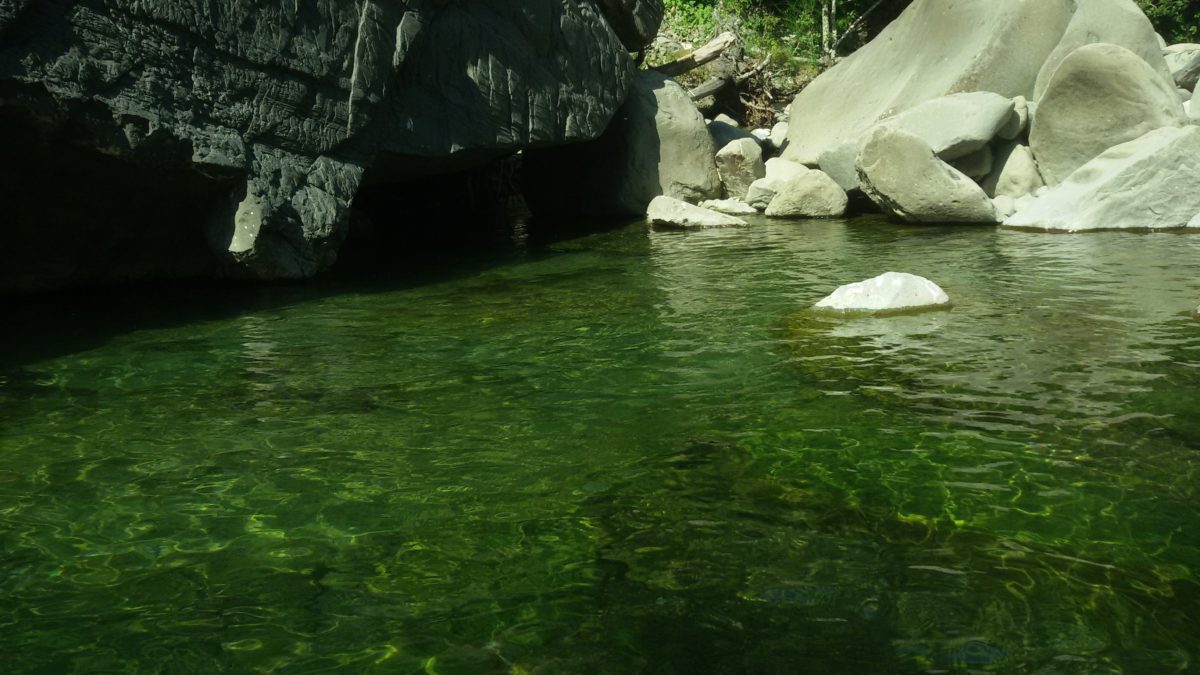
(890, 291)
(740, 163)
(976, 165)
(779, 134)
(1005, 205)
(1015, 174)
(811, 194)
(1019, 123)
(724, 130)
(671, 212)
(959, 124)
(1118, 22)
(763, 190)
(1100, 96)
(1150, 182)
(840, 162)
(902, 175)
(1183, 61)
(933, 49)
(731, 207)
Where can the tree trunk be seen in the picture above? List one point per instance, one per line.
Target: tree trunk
(833, 36)
(825, 39)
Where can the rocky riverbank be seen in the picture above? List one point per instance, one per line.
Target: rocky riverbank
(1056, 115)
(183, 139)
(236, 140)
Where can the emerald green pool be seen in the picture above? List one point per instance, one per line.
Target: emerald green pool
(633, 451)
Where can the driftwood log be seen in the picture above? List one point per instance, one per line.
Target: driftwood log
(716, 84)
(698, 57)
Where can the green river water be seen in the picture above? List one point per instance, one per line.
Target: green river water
(631, 451)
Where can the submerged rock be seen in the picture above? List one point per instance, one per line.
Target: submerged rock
(673, 212)
(1149, 182)
(890, 291)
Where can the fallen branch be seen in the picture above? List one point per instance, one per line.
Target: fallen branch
(698, 57)
(752, 72)
(711, 87)
(751, 104)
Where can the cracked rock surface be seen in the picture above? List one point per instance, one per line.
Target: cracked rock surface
(283, 105)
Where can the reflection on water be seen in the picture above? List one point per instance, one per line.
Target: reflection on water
(630, 452)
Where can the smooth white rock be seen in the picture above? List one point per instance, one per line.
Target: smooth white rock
(901, 174)
(1183, 60)
(810, 195)
(779, 134)
(976, 165)
(959, 124)
(763, 190)
(724, 130)
(888, 291)
(673, 212)
(1005, 205)
(1016, 173)
(732, 207)
(934, 48)
(1101, 95)
(1147, 183)
(740, 163)
(840, 162)
(1117, 22)
(1019, 122)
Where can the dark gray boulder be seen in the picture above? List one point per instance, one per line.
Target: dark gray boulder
(657, 145)
(635, 21)
(286, 106)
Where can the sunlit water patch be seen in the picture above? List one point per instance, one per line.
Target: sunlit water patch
(631, 452)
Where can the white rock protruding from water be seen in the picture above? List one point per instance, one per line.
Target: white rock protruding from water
(671, 212)
(889, 291)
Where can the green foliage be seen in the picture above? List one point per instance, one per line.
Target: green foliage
(780, 30)
(774, 26)
(1175, 20)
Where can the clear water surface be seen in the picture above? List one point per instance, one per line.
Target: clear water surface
(634, 451)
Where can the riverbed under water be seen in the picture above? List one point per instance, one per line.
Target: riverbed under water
(632, 451)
